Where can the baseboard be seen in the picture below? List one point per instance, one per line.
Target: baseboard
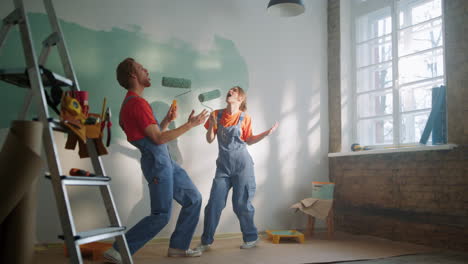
(158, 240)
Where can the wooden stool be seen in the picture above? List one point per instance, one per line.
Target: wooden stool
(94, 250)
(276, 235)
(329, 221)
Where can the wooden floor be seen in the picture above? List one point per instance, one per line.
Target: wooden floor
(444, 257)
(225, 250)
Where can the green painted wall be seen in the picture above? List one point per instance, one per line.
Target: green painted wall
(95, 55)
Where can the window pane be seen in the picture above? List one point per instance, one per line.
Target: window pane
(374, 77)
(374, 104)
(413, 12)
(374, 51)
(420, 38)
(418, 96)
(373, 25)
(421, 66)
(412, 126)
(375, 131)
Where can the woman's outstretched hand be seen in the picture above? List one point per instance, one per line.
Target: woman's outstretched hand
(273, 128)
(257, 138)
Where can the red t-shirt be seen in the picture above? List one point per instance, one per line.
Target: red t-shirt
(228, 120)
(135, 116)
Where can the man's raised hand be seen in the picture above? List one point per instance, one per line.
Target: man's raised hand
(198, 119)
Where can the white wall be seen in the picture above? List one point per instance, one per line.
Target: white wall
(286, 61)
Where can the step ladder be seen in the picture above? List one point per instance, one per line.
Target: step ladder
(35, 79)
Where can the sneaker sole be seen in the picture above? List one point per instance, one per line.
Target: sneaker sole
(248, 247)
(184, 256)
(252, 246)
(207, 249)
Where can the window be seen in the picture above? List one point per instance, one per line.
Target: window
(398, 57)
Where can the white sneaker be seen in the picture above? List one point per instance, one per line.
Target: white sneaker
(175, 252)
(202, 247)
(249, 244)
(113, 256)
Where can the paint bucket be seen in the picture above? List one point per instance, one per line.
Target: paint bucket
(322, 190)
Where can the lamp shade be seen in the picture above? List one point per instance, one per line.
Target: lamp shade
(286, 8)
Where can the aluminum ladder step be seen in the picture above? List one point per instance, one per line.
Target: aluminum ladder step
(19, 77)
(55, 124)
(97, 234)
(83, 180)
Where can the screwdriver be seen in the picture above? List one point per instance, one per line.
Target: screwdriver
(80, 172)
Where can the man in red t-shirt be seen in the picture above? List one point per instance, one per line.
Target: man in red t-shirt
(166, 179)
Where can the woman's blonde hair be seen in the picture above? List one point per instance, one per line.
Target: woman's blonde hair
(243, 106)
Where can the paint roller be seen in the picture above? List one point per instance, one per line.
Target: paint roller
(177, 83)
(208, 96)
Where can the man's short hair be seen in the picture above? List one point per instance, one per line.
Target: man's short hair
(123, 71)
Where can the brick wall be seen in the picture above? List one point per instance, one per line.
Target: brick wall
(419, 197)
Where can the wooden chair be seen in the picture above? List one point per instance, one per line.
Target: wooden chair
(329, 222)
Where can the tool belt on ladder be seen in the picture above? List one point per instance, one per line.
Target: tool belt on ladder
(73, 114)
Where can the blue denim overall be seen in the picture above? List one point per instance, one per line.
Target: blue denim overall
(234, 168)
(166, 181)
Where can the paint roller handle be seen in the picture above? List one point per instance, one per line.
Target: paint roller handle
(212, 127)
(172, 112)
(213, 122)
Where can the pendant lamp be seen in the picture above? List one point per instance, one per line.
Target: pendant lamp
(286, 8)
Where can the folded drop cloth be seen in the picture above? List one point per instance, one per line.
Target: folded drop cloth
(315, 207)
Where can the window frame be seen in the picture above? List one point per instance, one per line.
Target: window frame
(397, 111)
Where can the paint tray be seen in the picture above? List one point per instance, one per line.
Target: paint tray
(276, 235)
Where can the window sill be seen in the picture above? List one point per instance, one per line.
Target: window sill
(392, 150)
